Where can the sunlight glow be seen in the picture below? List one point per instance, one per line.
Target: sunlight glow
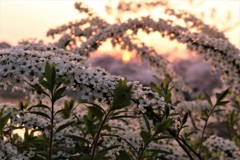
(126, 57)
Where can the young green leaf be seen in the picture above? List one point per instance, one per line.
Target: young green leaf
(208, 99)
(59, 93)
(163, 125)
(44, 83)
(222, 95)
(145, 136)
(147, 123)
(222, 103)
(122, 95)
(39, 106)
(89, 125)
(40, 114)
(3, 121)
(61, 127)
(154, 87)
(50, 75)
(96, 112)
(184, 120)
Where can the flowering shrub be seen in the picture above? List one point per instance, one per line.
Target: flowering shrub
(75, 111)
(205, 40)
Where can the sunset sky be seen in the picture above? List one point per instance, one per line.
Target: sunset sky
(22, 19)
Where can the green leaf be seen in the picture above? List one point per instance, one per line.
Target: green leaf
(167, 111)
(222, 103)
(236, 103)
(60, 81)
(159, 151)
(4, 121)
(40, 114)
(50, 75)
(61, 127)
(96, 105)
(69, 104)
(154, 87)
(62, 112)
(39, 89)
(208, 99)
(156, 138)
(26, 135)
(15, 138)
(184, 120)
(222, 95)
(22, 105)
(122, 95)
(59, 93)
(120, 117)
(147, 123)
(47, 71)
(163, 125)
(123, 155)
(39, 106)
(44, 83)
(97, 112)
(90, 115)
(1, 114)
(89, 125)
(145, 136)
(67, 109)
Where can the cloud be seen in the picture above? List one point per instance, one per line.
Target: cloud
(132, 71)
(195, 73)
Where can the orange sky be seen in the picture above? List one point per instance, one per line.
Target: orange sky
(21, 19)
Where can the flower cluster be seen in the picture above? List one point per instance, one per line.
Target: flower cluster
(228, 149)
(23, 64)
(8, 150)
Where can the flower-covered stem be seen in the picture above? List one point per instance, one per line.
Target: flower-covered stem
(95, 140)
(221, 51)
(190, 21)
